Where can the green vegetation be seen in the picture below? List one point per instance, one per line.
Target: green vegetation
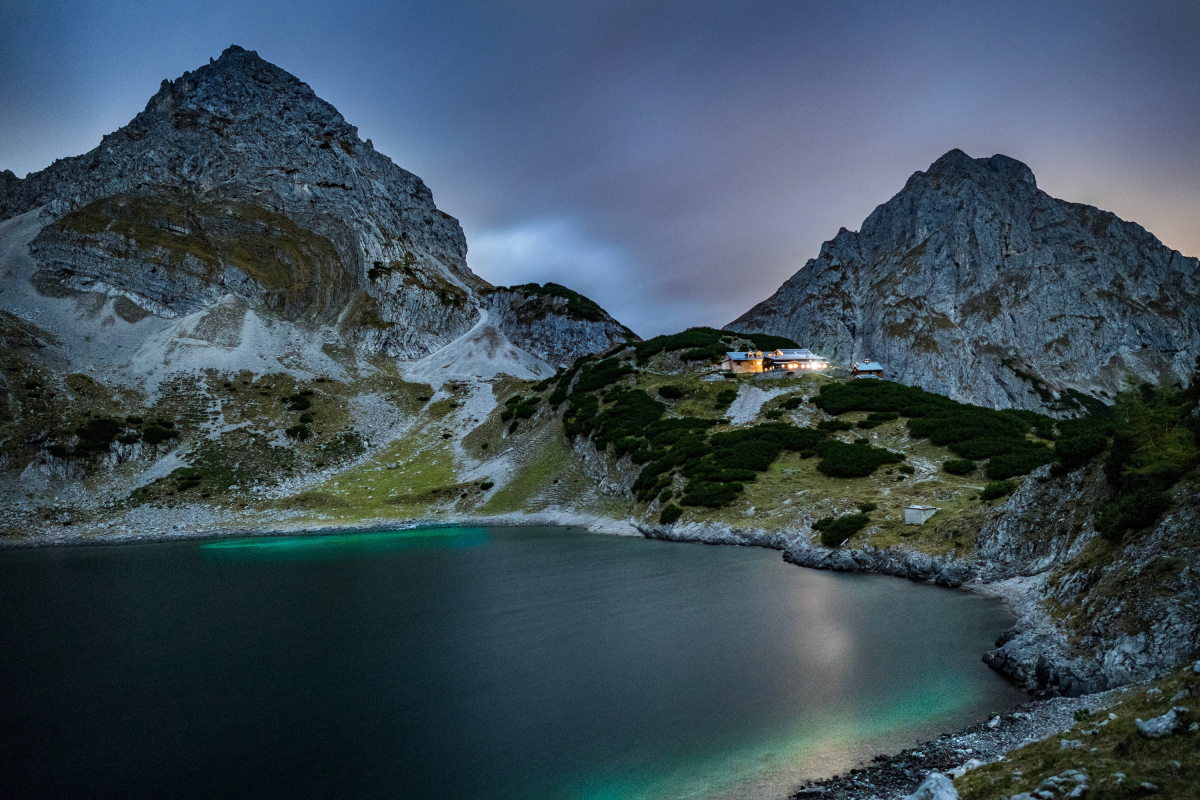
(841, 460)
(970, 432)
(835, 530)
(998, 489)
(1154, 446)
(725, 399)
(669, 514)
(959, 466)
(97, 435)
(670, 391)
(877, 418)
(765, 341)
(698, 343)
(520, 407)
(578, 306)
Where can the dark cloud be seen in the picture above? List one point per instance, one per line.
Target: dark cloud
(675, 161)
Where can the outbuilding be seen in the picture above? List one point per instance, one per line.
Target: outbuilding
(751, 361)
(917, 515)
(867, 369)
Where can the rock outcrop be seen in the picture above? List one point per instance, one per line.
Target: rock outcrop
(548, 325)
(974, 283)
(1092, 616)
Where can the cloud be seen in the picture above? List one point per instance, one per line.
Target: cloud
(558, 250)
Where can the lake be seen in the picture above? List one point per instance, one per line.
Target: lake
(468, 663)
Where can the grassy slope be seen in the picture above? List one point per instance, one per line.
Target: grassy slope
(1111, 748)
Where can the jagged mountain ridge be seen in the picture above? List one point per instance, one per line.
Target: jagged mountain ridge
(974, 283)
(237, 179)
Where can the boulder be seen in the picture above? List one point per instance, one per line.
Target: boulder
(936, 787)
(1158, 727)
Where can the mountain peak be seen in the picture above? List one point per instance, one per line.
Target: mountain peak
(956, 165)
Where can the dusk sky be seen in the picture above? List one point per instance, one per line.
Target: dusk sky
(674, 161)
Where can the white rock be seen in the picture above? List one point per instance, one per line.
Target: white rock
(936, 787)
(1159, 727)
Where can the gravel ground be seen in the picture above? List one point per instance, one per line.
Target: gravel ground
(896, 776)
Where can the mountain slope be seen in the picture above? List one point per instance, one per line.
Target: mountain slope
(974, 283)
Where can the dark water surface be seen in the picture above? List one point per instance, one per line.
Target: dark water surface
(467, 663)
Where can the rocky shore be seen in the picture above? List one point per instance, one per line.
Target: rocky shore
(896, 776)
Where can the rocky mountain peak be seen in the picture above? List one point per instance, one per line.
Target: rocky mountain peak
(240, 86)
(236, 179)
(974, 283)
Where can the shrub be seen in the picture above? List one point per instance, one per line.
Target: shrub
(670, 514)
(486, 485)
(766, 341)
(835, 530)
(1075, 451)
(970, 432)
(306, 418)
(712, 352)
(670, 392)
(298, 402)
(833, 425)
(710, 493)
(156, 434)
(877, 418)
(133, 420)
(725, 398)
(867, 508)
(792, 403)
(959, 466)
(907, 469)
(512, 428)
(998, 489)
(578, 306)
(841, 460)
(602, 373)
(1018, 462)
(691, 339)
(97, 434)
(298, 432)
(1131, 512)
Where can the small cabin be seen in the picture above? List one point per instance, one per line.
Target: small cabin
(794, 360)
(751, 361)
(917, 515)
(867, 369)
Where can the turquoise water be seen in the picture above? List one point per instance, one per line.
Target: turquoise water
(468, 662)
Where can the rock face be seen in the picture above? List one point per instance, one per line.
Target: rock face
(972, 282)
(237, 179)
(547, 325)
(1117, 618)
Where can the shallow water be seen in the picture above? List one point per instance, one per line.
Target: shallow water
(467, 663)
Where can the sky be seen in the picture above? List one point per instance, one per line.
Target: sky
(674, 161)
